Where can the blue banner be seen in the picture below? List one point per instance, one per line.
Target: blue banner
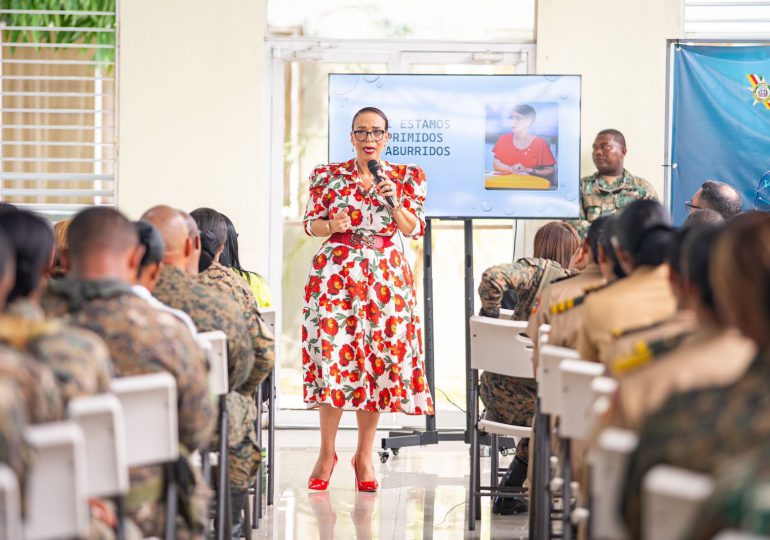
(721, 122)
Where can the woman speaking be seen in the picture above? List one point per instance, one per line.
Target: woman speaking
(362, 347)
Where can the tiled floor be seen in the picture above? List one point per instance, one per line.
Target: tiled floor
(422, 496)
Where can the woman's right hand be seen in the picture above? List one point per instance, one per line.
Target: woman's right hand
(339, 222)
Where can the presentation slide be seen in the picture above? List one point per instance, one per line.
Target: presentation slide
(491, 146)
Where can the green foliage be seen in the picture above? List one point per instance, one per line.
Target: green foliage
(81, 21)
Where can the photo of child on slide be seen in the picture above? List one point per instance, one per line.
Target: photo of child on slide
(521, 143)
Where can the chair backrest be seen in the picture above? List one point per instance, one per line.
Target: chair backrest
(542, 338)
(100, 418)
(671, 499)
(609, 463)
(10, 504)
(603, 389)
(150, 414)
(577, 397)
(506, 314)
(268, 314)
(56, 500)
(215, 345)
(497, 347)
(549, 385)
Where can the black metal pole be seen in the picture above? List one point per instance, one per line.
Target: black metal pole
(430, 420)
(469, 310)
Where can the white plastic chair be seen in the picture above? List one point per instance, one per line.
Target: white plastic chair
(549, 387)
(214, 343)
(671, 498)
(506, 314)
(497, 346)
(56, 495)
(152, 432)
(608, 464)
(10, 504)
(577, 397)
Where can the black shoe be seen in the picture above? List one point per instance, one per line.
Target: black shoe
(239, 500)
(506, 506)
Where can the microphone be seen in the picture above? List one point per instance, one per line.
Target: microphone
(374, 168)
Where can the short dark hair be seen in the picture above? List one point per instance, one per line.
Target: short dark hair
(374, 110)
(151, 239)
(100, 228)
(644, 231)
(32, 239)
(696, 260)
(717, 195)
(703, 216)
(616, 135)
(7, 207)
(7, 254)
(674, 249)
(606, 234)
(593, 233)
(526, 110)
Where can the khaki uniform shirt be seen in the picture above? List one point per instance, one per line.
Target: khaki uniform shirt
(641, 299)
(630, 350)
(710, 357)
(560, 294)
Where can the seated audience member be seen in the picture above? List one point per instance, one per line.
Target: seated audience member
(712, 354)
(60, 231)
(209, 309)
(611, 187)
(628, 351)
(705, 429)
(213, 229)
(565, 294)
(149, 272)
(703, 216)
(644, 297)
(78, 358)
(723, 198)
(508, 399)
(230, 258)
(103, 259)
(212, 309)
(36, 383)
(554, 246)
(739, 499)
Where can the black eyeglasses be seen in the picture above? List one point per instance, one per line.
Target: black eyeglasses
(362, 134)
(688, 205)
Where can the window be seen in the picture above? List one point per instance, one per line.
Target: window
(59, 106)
(726, 18)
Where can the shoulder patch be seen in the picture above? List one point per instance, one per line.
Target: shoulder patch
(645, 352)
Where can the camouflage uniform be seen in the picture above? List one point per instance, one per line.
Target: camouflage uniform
(701, 430)
(244, 452)
(144, 340)
(35, 380)
(739, 498)
(524, 276)
(598, 197)
(209, 310)
(13, 421)
(511, 400)
(78, 358)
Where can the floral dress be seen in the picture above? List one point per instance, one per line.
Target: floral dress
(361, 335)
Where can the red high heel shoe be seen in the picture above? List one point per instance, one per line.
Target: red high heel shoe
(316, 484)
(367, 485)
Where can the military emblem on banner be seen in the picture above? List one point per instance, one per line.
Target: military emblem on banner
(759, 89)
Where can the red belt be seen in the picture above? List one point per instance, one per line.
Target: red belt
(359, 240)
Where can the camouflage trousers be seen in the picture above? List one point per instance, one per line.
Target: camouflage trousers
(509, 400)
(244, 454)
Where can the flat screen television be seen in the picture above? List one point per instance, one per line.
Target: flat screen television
(491, 146)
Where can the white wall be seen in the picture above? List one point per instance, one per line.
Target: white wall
(619, 47)
(191, 110)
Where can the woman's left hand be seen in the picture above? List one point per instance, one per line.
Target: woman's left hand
(387, 188)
